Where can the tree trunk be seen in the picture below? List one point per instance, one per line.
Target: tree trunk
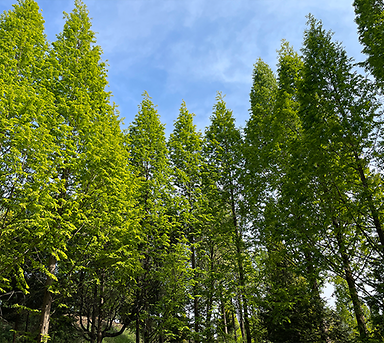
(239, 250)
(195, 299)
(93, 334)
(210, 299)
(241, 321)
(316, 297)
(359, 314)
(224, 318)
(371, 205)
(100, 309)
(209, 319)
(234, 326)
(137, 328)
(47, 302)
(246, 320)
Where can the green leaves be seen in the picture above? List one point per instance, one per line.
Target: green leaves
(67, 190)
(181, 236)
(369, 19)
(26, 159)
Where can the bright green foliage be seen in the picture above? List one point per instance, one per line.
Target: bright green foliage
(341, 124)
(339, 119)
(259, 143)
(95, 229)
(223, 149)
(342, 128)
(224, 159)
(289, 70)
(67, 189)
(107, 226)
(185, 145)
(287, 310)
(370, 22)
(163, 252)
(185, 150)
(285, 301)
(147, 146)
(27, 160)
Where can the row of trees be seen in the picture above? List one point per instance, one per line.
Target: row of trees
(224, 236)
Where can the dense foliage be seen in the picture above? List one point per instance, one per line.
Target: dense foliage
(225, 235)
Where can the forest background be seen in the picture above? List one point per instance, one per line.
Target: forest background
(226, 235)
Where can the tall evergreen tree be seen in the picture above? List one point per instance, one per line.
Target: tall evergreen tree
(223, 151)
(28, 159)
(259, 138)
(25, 140)
(92, 216)
(185, 149)
(272, 132)
(338, 112)
(163, 250)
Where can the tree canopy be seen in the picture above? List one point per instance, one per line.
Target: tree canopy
(225, 234)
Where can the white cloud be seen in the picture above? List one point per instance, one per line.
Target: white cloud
(192, 48)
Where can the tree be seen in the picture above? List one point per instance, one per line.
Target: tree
(25, 140)
(369, 20)
(92, 215)
(289, 295)
(259, 138)
(185, 150)
(28, 158)
(340, 125)
(223, 151)
(163, 249)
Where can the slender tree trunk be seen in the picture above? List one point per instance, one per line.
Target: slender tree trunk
(100, 309)
(195, 299)
(47, 302)
(209, 319)
(137, 327)
(210, 298)
(246, 320)
(359, 314)
(224, 318)
(241, 321)
(316, 298)
(371, 205)
(19, 316)
(234, 326)
(93, 334)
(239, 250)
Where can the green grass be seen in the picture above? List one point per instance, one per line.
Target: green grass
(126, 337)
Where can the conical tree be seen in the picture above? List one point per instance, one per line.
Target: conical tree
(271, 140)
(339, 116)
(259, 136)
(223, 154)
(185, 150)
(27, 157)
(25, 138)
(92, 215)
(163, 249)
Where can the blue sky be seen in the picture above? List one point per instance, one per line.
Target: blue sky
(190, 49)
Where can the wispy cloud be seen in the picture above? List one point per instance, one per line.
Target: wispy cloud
(189, 49)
